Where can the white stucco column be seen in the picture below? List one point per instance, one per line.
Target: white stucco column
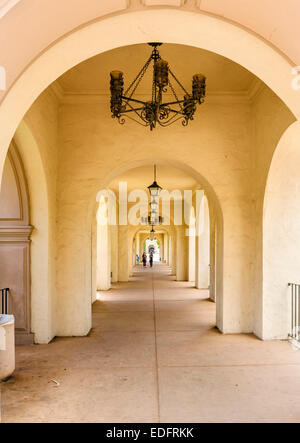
(103, 258)
(172, 252)
(124, 253)
(131, 257)
(213, 262)
(141, 246)
(182, 248)
(137, 246)
(192, 256)
(142, 243)
(166, 248)
(203, 247)
(162, 247)
(114, 253)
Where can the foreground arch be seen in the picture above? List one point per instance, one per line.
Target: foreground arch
(198, 30)
(281, 236)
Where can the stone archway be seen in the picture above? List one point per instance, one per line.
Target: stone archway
(281, 236)
(200, 30)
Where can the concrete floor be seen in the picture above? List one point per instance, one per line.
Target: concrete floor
(154, 356)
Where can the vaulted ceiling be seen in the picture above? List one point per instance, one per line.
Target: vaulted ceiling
(168, 177)
(92, 76)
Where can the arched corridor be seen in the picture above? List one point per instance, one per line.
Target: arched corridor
(150, 267)
(154, 355)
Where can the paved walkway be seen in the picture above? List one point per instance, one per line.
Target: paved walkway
(154, 355)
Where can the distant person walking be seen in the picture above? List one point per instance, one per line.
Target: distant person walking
(144, 260)
(151, 260)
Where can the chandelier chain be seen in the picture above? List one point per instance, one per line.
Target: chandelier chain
(141, 75)
(176, 79)
(175, 95)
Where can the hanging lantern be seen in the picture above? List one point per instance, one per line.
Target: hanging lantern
(153, 218)
(154, 189)
(152, 234)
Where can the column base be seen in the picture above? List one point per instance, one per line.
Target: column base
(24, 339)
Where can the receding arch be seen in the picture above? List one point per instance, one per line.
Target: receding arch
(104, 183)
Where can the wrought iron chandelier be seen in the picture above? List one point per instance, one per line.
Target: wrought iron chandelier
(153, 112)
(154, 218)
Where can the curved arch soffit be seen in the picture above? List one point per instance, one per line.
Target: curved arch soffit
(276, 171)
(133, 27)
(28, 148)
(160, 229)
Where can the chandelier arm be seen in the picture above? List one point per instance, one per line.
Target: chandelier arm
(172, 103)
(136, 121)
(176, 116)
(175, 111)
(176, 79)
(171, 121)
(166, 122)
(135, 111)
(139, 77)
(131, 110)
(127, 99)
